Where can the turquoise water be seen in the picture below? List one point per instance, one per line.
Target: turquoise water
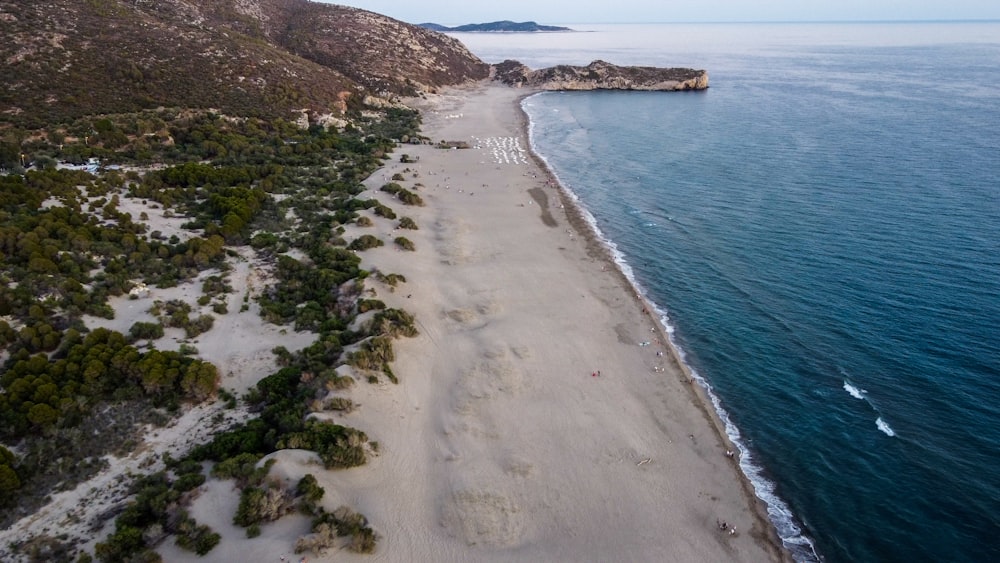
(821, 231)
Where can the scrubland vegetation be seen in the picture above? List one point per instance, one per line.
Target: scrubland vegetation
(70, 395)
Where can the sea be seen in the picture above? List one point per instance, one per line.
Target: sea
(820, 231)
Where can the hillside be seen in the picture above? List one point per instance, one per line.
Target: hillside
(67, 58)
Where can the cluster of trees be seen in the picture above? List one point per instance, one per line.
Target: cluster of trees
(155, 511)
(306, 293)
(223, 200)
(10, 482)
(52, 251)
(42, 392)
(177, 314)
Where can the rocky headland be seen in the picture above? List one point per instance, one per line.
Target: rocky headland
(599, 75)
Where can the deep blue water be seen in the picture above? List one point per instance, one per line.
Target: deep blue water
(821, 229)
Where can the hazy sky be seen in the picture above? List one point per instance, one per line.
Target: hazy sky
(650, 11)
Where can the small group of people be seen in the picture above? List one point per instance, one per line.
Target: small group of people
(724, 527)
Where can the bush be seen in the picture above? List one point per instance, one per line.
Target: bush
(405, 243)
(394, 323)
(390, 279)
(194, 537)
(337, 446)
(409, 198)
(363, 221)
(364, 242)
(198, 326)
(407, 223)
(189, 482)
(310, 492)
(145, 331)
(392, 187)
(402, 194)
(259, 504)
(383, 211)
(243, 468)
(365, 305)
(342, 522)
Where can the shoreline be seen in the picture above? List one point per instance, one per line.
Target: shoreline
(699, 394)
(531, 422)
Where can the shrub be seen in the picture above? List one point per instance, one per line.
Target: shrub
(373, 354)
(407, 223)
(145, 331)
(363, 221)
(337, 446)
(383, 211)
(346, 523)
(394, 323)
(188, 482)
(409, 198)
(365, 305)
(198, 326)
(243, 468)
(405, 243)
(310, 493)
(390, 279)
(194, 537)
(364, 242)
(392, 187)
(261, 504)
(340, 404)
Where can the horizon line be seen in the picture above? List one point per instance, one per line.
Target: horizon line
(959, 20)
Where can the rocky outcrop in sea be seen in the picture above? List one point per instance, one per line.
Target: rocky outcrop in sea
(599, 75)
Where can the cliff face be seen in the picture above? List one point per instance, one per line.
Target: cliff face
(600, 75)
(66, 58)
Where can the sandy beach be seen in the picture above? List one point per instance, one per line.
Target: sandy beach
(530, 422)
(540, 415)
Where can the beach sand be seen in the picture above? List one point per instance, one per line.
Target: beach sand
(500, 442)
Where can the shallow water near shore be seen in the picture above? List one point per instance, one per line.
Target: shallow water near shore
(821, 230)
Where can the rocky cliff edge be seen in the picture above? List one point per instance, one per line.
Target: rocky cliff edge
(599, 75)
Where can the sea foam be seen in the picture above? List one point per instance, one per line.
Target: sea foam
(855, 392)
(884, 427)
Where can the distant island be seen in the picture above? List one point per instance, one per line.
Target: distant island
(504, 26)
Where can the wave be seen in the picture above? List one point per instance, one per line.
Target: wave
(884, 427)
(792, 537)
(862, 394)
(855, 392)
